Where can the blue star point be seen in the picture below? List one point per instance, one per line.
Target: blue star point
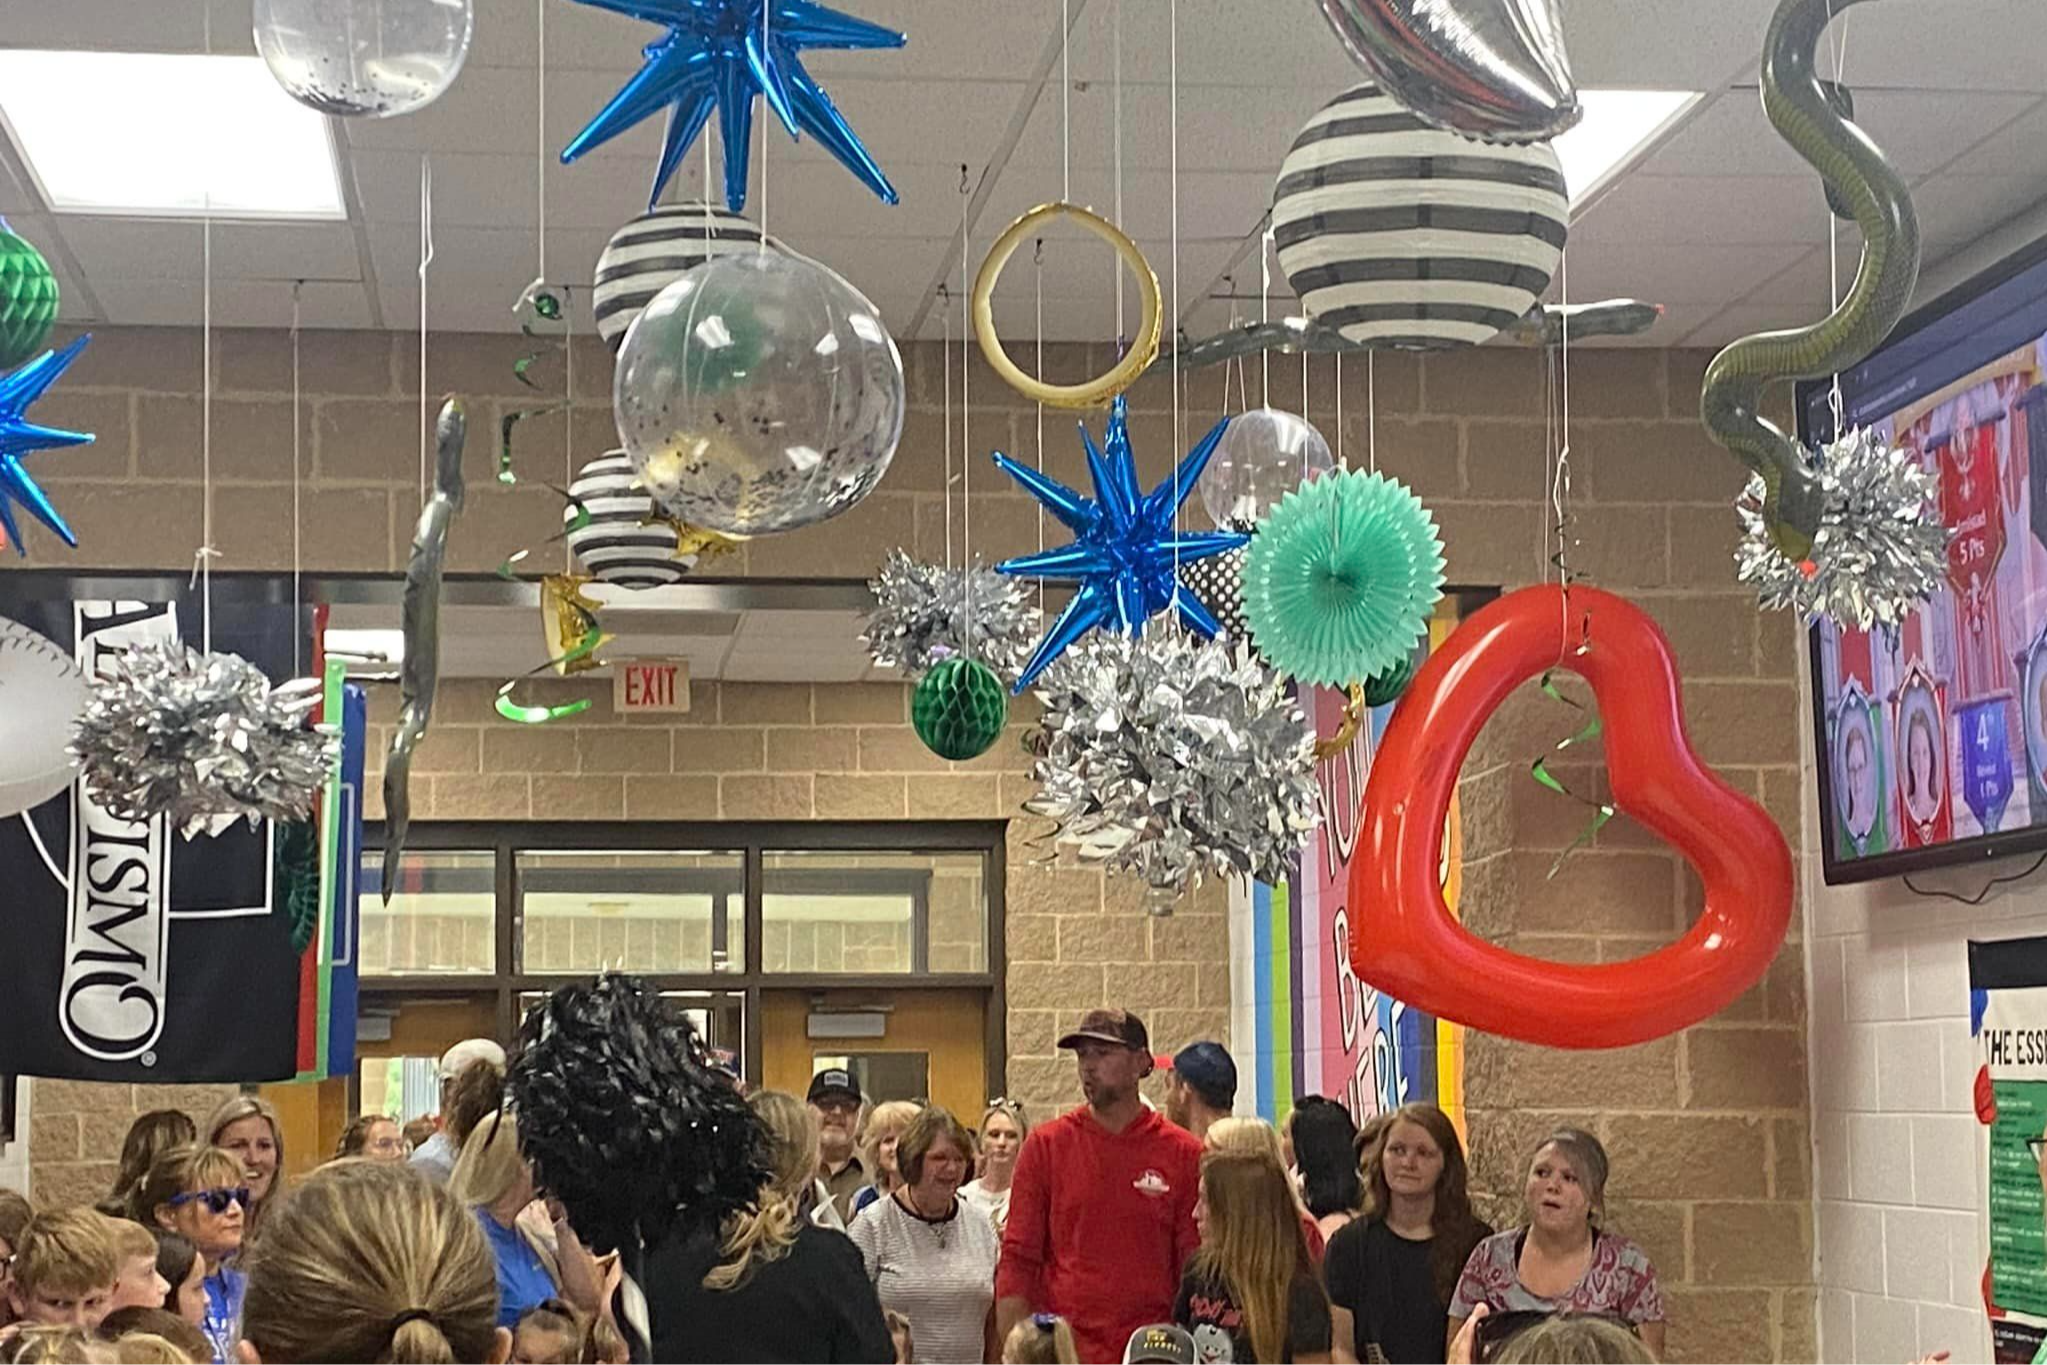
(18, 436)
(1126, 549)
(718, 55)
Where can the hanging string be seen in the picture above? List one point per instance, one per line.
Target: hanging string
(1560, 487)
(945, 354)
(207, 553)
(1341, 463)
(1066, 104)
(568, 411)
(1840, 53)
(1116, 136)
(297, 598)
(1265, 312)
(1038, 328)
(540, 137)
(426, 258)
(966, 423)
(765, 52)
(1372, 410)
(1173, 119)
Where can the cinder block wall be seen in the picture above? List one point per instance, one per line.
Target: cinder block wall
(1708, 1129)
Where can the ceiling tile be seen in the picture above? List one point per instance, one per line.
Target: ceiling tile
(144, 248)
(236, 303)
(1920, 130)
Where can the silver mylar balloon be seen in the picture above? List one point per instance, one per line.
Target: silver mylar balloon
(758, 393)
(364, 58)
(1490, 69)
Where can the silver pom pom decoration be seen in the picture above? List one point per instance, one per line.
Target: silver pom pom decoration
(920, 617)
(202, 739)
(1168, 757)
(1881, 549)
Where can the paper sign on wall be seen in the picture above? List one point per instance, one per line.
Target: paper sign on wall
(647, 685)
(2008, 1015)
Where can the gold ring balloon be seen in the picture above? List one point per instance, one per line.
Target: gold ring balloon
(1144, 348)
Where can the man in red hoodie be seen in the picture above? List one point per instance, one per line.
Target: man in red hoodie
(1101, 1209)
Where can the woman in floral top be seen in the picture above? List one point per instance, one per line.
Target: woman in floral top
(1561, 1260)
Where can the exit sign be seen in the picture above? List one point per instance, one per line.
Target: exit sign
(650, 685)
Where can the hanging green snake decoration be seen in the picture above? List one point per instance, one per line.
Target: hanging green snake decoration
(1860, 178)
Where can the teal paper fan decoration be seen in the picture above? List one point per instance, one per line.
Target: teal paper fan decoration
(1341, 578)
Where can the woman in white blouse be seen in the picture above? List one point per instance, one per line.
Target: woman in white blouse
(1003, 1130)
(932, 1256)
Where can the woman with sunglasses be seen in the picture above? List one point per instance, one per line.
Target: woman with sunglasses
(1562, 1260)
(198, 1193)
(1003, 1130)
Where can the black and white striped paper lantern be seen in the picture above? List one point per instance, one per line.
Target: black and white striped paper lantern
(647, 254)
(1400, 234)
(616, 547)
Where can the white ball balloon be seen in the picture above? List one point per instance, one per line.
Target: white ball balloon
(1264, 455)
(364, 58)
(42, 693)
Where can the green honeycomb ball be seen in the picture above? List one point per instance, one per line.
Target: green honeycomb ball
(959, 708)
(28, 299)
(1386, 687)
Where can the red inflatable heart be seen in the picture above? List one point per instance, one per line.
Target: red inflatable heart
(1405, 941)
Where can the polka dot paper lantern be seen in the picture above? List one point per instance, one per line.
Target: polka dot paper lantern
(1402, 235)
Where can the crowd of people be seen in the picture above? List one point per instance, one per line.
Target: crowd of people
(884, 1232)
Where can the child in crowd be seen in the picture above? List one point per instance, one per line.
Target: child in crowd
(549, 1333)
(64, 1269)
(136, 1283)
(158, 1323)
(1040, 1339)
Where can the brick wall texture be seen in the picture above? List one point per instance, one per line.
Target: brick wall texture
(1708, 1130)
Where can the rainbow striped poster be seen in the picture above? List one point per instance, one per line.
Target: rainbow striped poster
(1302, 1024)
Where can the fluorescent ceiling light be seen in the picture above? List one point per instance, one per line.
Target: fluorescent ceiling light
(1618, 125)
(163, 134)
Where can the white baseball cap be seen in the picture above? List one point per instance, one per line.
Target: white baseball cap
(459, 1057)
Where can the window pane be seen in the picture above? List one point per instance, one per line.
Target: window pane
(441, 919)
(883, 1076)
(637, 910)
(874, 912)
(719, 1016)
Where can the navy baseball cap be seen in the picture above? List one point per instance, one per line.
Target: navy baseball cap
(1208, 1068)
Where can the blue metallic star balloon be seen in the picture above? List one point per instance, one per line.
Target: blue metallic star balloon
(18, 437)
(717, 54)
(1125, 550)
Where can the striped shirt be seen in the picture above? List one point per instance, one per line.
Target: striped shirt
(938, 1274)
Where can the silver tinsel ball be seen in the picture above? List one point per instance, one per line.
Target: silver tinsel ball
(1881, 549)
(920, 616)
(1168, 757)
(203, 739)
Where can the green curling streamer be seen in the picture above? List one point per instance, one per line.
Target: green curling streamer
(540, 715)
(1602, 811)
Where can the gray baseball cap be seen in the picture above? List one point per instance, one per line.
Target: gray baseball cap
(1164, 1342)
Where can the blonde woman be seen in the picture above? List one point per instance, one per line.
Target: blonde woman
(1256, 1137)
(771, 1285)
(197, 1192)
(1250, 1292)
(494, 1178)
(878, 1150)
(150, 1136)
(247, 1126)
(1003, 1130)
(367, 1262)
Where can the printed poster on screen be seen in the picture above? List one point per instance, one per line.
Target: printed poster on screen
(2008, 1018)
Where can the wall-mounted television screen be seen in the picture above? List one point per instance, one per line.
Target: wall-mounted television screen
(1932, 738)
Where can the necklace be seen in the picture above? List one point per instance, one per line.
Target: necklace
(940, 1226)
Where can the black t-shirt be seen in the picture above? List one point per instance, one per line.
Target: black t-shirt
(1209, 1311)
(814, 1303)
(1386, 1283)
